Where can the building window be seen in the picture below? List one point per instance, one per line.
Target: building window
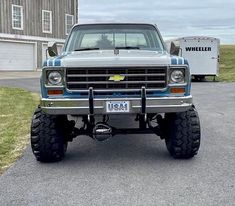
(17, 17)
(69, 21)
(46, 21)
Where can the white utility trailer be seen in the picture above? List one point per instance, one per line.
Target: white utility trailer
(201, 52)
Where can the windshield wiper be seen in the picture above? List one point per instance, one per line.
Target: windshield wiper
(87, 49)
(96, 48)
(127, 47)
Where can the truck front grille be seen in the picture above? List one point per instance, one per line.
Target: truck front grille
(99, 78)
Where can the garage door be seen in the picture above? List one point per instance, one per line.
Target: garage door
(44, 51)
(17, 56)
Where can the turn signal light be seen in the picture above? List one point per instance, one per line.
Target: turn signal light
(55, 92)
(176, 90)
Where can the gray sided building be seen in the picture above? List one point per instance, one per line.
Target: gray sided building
(26, 26)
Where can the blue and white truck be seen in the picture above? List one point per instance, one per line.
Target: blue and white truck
(114, 70)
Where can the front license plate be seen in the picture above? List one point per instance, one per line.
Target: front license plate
(117, 106)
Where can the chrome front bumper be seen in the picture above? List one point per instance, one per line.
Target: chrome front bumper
(81, 106)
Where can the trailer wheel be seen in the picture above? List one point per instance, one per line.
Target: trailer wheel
(183, 133)
(199, 78)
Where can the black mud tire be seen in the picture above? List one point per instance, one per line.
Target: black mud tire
(48, 137)
(182, 134)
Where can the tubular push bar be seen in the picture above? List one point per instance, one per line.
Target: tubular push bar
(91, 101)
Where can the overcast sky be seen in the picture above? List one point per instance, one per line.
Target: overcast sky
(176, 18)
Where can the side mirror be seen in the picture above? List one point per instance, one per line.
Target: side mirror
(174, 50)
(52, 49)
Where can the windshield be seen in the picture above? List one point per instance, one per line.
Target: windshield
(111, 36)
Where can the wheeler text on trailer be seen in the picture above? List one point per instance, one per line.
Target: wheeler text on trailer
(114, 70)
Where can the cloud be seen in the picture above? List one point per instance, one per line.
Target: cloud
(174, 18)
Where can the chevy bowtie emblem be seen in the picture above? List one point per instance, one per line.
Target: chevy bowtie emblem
(117, 78)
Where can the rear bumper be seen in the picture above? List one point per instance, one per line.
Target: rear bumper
(81, 106)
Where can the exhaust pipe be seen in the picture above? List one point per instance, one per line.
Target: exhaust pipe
(102, 132)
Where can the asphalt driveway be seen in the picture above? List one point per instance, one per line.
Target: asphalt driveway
(134, 169)
(31, 84)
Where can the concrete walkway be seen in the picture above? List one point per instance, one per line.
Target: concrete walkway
(19, 74)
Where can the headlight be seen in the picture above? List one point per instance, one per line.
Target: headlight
(54, 78)
(177, 76)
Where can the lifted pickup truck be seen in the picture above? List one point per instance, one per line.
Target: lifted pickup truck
(114, 70)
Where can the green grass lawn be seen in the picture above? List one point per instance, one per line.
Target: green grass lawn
(227, 63)
(16, 109)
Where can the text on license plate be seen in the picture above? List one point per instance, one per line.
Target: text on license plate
(117, 106)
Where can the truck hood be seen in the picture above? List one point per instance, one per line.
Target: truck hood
(107, 58)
